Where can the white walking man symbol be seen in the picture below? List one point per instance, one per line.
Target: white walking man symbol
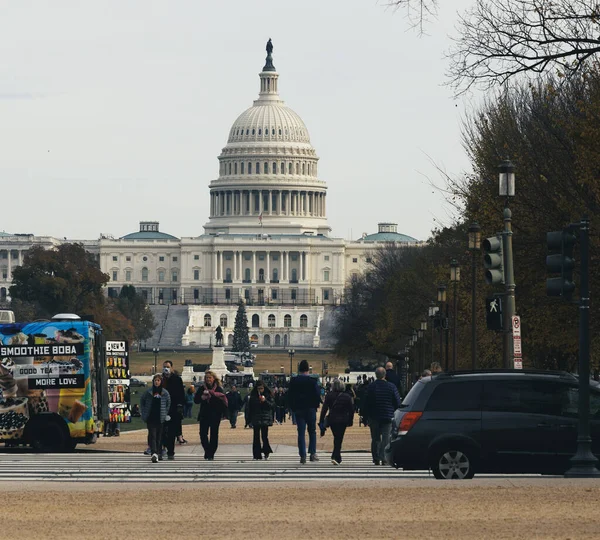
(494, 306)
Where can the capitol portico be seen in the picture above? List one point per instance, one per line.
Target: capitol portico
(266, 240)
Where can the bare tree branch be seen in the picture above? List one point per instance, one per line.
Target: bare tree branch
(417, 12)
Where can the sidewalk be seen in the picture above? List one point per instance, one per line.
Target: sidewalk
(234, 449)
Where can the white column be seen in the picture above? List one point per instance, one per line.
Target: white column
(268, 276)
(270, 205)
(279, 199)
(216, 258)
(235, 268)
(287, 265)
(254, 267)
(222, 276)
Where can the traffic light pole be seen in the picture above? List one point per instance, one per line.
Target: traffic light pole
(509, 303)
(583, 463)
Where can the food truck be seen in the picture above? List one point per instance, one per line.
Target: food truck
(53, 383)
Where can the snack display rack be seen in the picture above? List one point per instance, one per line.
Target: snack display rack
(117, 369)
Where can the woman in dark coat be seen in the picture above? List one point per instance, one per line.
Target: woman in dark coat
(213, 406)
(262, 407)
(340, 406)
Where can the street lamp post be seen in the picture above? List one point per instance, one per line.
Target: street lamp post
(506, 188)
(291, 352)
(474, 247)
(432, 312)
(422, 331)
(441, 296)
(454, 278)
(155, 350)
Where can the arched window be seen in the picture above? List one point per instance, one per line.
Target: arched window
(285, 340)
(280, 132)
(257, 168)
(289, 168)
(207, 320)
(273, 131)
(282, 168)
(271, 321)
(235, 168)
(277, 340)
(247, 131)
(250, 168)
(294, 275)
(287, 321)
(303, 168)
(242, 167)
(267, 340)
(247, 275)
(274, 168)
(144, 274)
(303, 321)
(261, 274)
(259, 131)
(297, 168)
(255, 321)
(253, 131)
(266, 168)
(223, 321)
(275, 275)
(228, 274)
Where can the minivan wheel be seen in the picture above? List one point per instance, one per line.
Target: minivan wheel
(453, 463)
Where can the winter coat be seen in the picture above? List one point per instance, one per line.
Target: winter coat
(146, 404)
(304, 393)
(234, 401)
(261, 414)
(214, 407)
(174, 385)
(380, 401)
(340, 407)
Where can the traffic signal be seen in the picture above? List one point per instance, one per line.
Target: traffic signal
(560, 261)
(493, 260)
(494, 312)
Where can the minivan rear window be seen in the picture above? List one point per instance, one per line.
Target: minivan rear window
(413, 393)
(456, 396)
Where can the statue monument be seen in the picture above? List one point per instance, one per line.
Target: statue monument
(218, 337)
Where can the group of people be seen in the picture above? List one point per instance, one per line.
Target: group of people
(167, 401)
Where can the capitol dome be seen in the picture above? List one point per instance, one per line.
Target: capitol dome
(268, 171)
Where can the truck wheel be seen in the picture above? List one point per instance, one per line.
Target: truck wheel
(453, 463)
(48, 436)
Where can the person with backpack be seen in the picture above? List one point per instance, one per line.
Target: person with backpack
(340, 406)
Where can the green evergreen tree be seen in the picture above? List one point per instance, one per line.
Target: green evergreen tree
(241, 340)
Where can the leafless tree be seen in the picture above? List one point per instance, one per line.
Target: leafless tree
(418, 12)
(498, 40)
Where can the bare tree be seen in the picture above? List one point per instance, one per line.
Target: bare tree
(500, 39)
(417, 12)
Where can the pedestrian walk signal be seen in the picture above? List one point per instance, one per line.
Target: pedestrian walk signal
(493, 312)
(493, 260)
(560, 261)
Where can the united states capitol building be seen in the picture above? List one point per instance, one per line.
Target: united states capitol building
(266, 241)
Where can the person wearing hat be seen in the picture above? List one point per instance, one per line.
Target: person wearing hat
(155, 404)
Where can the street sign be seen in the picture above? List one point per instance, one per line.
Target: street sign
(517, 351)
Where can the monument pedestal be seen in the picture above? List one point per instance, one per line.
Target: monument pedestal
(218, 362)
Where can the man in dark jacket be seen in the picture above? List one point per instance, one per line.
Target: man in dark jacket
(234, 405)
(381, 400)
(304, 398)
(391, 375)
(174, 385)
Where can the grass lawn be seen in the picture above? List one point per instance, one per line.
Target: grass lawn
(143, 363)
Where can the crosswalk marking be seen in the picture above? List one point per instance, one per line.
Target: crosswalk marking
(127, 467)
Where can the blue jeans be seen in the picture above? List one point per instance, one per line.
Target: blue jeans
(381, 431)
(307, 418)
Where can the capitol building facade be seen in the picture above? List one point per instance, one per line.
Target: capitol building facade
(266, 240)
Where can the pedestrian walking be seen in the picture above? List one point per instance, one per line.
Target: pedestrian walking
(189, 402)
(154, 406)
(213, 405)
(340, 406)
(234, 405)
(391, 375)
(381, 400)
(262, 407)
(173, 384)
(304, 398)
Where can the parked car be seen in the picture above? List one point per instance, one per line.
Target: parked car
(136, 382)
(504, 421)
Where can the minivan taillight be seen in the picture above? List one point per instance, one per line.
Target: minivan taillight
(408, 420)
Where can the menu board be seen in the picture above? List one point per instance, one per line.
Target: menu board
(117, 369)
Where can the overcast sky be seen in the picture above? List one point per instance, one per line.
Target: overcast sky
(115, 112)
